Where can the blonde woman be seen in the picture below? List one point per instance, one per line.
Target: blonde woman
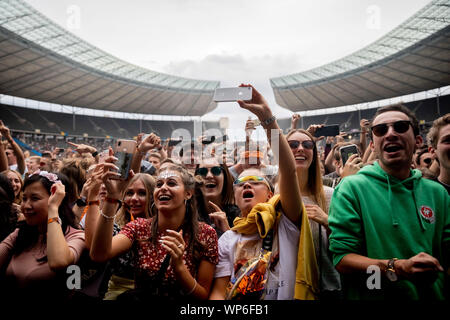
(136, 201)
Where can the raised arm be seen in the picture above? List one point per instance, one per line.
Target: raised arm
(4, 130)
(144, 146)
(3, 157)
(104, 246)
(290, 197)
(92, 189)
(294, 121)
(364, 124)
(58, 253)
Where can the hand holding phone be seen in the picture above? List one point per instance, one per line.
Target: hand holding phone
(347, 151)
(327, 131)
(123, 151)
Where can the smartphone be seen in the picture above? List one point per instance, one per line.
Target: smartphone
(123, 151)
(347, 152)
(232, 94)
(208, 140)
(174, 142)
(327, 131)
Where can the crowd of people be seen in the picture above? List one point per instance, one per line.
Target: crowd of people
(291, 220)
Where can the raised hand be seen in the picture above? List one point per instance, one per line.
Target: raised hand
(294, 120)
(352, 166)
(218, 217)
(364, 124)
(57, 194)
(93, 184)
(257, 105)
(4, 131)
(312, 130)
(82, 148)
(150, 142)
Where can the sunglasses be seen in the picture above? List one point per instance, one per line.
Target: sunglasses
(399, 126)
(216, 171)
(307, 144)
(252, 180)
(427, 160)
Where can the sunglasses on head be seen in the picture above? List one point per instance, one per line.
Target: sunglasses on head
(216, 171)
(251, 179)
(307, 144)
(399, 126)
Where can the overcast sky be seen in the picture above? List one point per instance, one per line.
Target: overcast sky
(232, 41)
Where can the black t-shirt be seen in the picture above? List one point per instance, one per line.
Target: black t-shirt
(447, 187)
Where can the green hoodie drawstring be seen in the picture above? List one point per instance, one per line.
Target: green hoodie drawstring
(422, 226)
(392, 212)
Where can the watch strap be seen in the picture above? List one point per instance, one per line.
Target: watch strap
(268, 121)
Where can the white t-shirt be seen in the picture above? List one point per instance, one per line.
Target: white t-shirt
(281, 282)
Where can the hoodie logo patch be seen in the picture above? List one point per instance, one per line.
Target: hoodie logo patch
(428, 214)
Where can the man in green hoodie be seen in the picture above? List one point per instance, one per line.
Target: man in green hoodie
(389, 222)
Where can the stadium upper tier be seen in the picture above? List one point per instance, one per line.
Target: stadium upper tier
(41, 61)
(413, 57)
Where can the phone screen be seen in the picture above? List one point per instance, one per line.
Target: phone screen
(124, 153)
(123, 163)
(232, 94)
(327, 131)
(173, 142)
(209, 140)
(347, 152)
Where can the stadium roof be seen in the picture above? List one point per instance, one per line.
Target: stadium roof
(41, 61)
(413, 57)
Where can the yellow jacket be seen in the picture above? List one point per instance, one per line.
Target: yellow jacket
(261, 219)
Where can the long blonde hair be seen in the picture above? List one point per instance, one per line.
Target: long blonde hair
(315, 184)
(124, 216)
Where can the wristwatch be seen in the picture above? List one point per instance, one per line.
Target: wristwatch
(81, 202)
(390, 270)
(268, 121)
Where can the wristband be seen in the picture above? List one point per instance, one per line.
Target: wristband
(114, 201)
(57, 219)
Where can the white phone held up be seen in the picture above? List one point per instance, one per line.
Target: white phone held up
(232, 94)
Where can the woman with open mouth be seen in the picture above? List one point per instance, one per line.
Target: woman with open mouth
(136, 202)
(215, 196)
(273, 231)
(175, 254)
